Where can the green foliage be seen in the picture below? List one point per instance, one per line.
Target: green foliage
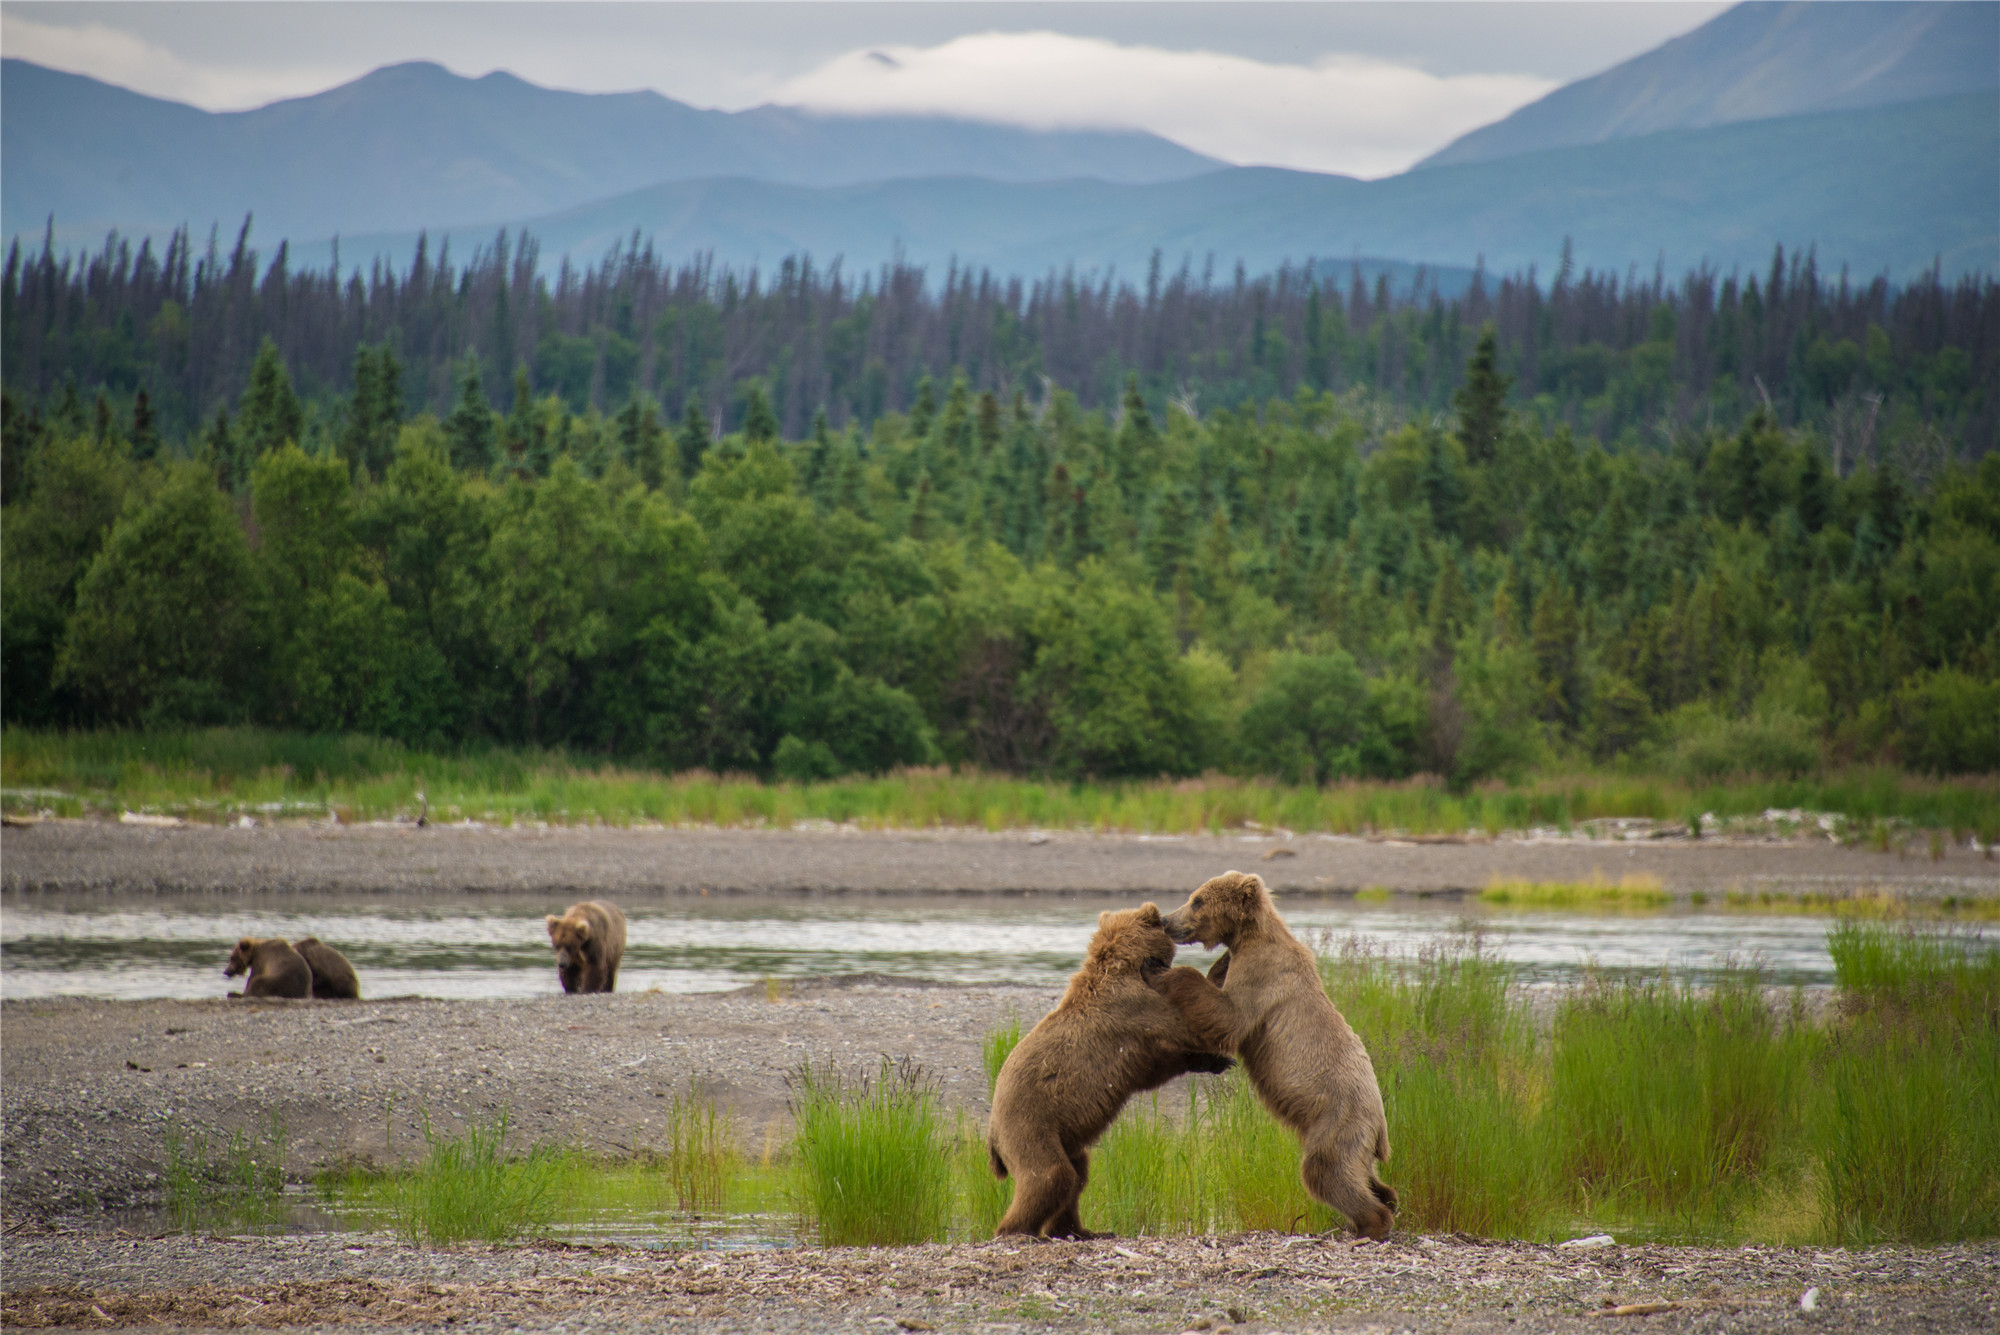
(473, 1186)
(164, 611)
(872, 1157)
(1903, 1137)
(998, 1045)
(1057, 593)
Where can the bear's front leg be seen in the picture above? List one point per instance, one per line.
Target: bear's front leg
(1204, 1008)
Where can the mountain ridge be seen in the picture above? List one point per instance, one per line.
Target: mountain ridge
(1889, 189)
(1758, 61)
(414, 145)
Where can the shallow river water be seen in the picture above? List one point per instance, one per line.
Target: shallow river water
(496, 946)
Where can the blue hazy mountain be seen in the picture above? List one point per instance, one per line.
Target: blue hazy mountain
(415, 145)
(1886, 189)
(1757, 61)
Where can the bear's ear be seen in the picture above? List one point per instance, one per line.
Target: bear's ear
(247, 944)
(1149, 914)
(554, 922)
(1104, 920)
(582, 926)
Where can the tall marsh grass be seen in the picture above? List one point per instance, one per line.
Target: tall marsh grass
(872, 1156)
(232, 1183)
(473, 1185)
(218, 772)
(701, 1154)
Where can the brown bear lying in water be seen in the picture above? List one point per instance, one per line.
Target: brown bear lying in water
(333, 977)
(1114, 1034)
(1310, 1069)
(275, 969)
(589, 941)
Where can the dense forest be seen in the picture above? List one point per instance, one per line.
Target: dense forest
(1866, 365)
(1358, 536)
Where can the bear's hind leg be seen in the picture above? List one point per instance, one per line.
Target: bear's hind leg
(1068, 1224)
(1348, 1184)
(1042, 1196)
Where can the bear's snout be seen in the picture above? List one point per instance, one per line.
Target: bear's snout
(1179, 925)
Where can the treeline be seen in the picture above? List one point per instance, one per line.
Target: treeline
(1873, 369)
(1019, 582)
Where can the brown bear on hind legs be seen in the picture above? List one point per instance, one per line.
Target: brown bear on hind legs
(276, 970)
(1309, 1068)
(589, 941)
(333, 976)
(1114, 1034)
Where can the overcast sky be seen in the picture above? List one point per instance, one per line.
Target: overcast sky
(1360, 88)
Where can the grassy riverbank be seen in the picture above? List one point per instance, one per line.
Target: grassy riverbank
(225, 773)
(1650, 1109)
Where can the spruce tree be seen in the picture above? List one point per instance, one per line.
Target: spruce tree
(692, 440)
(145, 438)
(269, 413)
(470, 426)
(760, 423)
(1482, 401)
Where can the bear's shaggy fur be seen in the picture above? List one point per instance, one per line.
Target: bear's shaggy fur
(333, 977)
(589, 941)
(275, 969)
(1310, 1069)
(1115, 1032)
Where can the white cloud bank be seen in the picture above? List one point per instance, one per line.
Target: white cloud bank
(1350, 114)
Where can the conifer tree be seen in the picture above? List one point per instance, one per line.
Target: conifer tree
(1482, 401)
(692, 440)
(760, 423)
(470, 426)
(270, 412)
(145, 439)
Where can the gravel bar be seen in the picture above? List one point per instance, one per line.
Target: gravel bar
(1251, 1283)
(566, 862)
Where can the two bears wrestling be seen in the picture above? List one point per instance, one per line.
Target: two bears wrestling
(1131, 1021)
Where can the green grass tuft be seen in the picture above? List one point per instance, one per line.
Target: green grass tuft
(472, 1186)
(872, 1158)
(234, 1184)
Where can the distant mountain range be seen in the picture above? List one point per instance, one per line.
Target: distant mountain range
(1885, 189)
(415, 145)
(1870, 132)
(1756, 61)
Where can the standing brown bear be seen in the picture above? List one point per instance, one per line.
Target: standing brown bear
(1310, 1069)
(1114, 1034)
(589, 941)
(333, 977)
(275, 969)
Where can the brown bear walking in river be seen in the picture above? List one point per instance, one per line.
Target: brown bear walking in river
(333, 976)
(1114, 1033)
(589, 941)
(276, 970)
(1310, 1069)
